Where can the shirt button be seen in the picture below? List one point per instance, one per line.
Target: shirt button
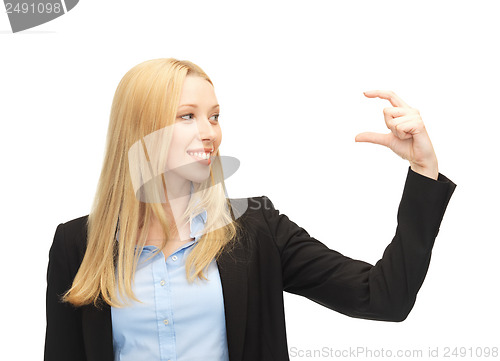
(165, 321)
(174, 258)
(162, 283)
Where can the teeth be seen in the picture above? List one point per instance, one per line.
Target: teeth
(200, 155)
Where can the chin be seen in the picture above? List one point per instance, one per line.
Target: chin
(199, 178)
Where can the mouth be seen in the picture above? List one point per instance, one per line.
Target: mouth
(201, 156)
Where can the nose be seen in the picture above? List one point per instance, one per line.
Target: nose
(206, 130)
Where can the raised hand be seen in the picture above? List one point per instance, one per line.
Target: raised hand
(408, 137)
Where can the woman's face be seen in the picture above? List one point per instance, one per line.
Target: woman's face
(196, 134)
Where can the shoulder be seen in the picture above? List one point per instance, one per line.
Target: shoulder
(254, 238)
(75, 231)
(257, 216)
(70, 240)
(252, 209)
(76, 228)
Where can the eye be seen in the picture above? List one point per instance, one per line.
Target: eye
(186, 116)
(216, 116)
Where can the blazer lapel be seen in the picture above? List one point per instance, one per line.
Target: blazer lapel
(233, 274)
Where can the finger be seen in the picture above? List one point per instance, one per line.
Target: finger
(390, 122)
(389, 95)
(395, 112)
(396, 124)
(409, 129)
(375, 138)
(393, 115)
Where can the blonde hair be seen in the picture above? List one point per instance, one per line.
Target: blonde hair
(145, 101)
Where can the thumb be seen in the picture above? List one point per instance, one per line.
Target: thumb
(376, 138)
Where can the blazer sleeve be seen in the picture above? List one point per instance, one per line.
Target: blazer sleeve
(384, 291)
(63, 337)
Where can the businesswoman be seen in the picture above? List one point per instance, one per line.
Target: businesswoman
(165, 267)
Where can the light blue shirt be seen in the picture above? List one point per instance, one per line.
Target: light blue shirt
(176, 321)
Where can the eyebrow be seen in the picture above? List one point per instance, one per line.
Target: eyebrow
(195, 106)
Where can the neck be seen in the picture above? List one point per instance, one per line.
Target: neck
(179, 193)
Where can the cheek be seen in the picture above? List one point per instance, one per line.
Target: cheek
(181, 138)
(176, 151)
(218, 140)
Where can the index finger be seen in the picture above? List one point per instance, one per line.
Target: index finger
(389, 95)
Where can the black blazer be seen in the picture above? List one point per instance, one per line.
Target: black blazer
(274, 255)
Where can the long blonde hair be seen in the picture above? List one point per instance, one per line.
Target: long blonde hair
(145, 101)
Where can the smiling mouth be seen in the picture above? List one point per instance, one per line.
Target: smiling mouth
(200, 155)
(204, 158)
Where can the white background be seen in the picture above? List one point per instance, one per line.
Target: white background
(289, 77)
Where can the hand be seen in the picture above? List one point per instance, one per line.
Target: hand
(408, 137)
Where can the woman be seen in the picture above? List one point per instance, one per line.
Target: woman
(165, 267)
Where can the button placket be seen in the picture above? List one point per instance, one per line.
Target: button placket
(163, 303)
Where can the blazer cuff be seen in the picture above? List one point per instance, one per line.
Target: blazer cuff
(428, 195)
